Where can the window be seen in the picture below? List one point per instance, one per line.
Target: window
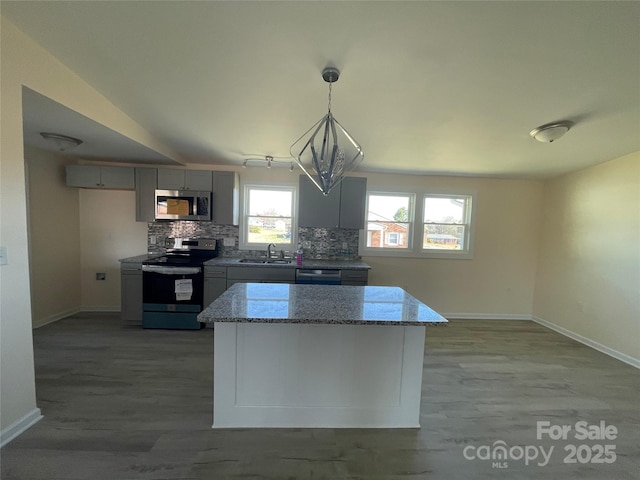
(268, 216)
(394, 225)
(389, 220)
(446, 222)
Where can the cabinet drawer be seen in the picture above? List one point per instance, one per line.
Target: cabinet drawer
(285, 275)
(215, 272)
(354, 276)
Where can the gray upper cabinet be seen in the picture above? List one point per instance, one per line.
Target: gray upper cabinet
(90, 176)
(226, 191)
(344, 207)
(178, 179)
(146, 184)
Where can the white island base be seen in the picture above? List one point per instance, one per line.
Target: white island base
(297, 375)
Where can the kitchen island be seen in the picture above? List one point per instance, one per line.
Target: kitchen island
(317, 356)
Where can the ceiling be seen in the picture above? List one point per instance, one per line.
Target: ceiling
(425, 87)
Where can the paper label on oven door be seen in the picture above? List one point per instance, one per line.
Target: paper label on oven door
(184, 289)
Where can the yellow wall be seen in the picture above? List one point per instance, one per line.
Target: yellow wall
(588, 279)
(498, 281)
(54, 238)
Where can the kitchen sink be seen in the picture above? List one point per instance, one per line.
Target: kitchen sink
(259, 261)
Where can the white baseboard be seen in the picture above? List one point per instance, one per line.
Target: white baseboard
(15, 429)
(54, 318)
(101, 309)
(623, 357)
(487, 316)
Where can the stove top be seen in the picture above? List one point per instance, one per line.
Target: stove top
(188, 253)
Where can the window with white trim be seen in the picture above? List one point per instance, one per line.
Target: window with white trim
(446, 221)
(439, 225)
(268, 216)
(389, 220)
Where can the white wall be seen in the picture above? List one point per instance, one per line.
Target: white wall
(54, 238)
(588, 279)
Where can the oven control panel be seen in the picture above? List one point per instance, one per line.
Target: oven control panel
(195, 243)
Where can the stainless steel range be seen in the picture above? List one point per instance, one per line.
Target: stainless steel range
(172, 285)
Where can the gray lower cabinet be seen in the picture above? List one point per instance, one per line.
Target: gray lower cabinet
(260, 275)
(354, 277)
(215, 283)
(131, 294)
(344, 207)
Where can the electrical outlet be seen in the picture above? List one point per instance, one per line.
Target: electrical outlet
(153, 240)
(229, 242)
(101, 276)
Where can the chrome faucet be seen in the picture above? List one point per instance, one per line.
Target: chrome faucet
(269, 254)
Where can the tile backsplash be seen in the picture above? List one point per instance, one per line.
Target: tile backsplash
(328, 243)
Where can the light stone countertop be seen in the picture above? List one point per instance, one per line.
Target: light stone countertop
(306, 263)
(319, 304)
(236, 262)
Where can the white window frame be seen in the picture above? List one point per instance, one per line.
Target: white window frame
(416, 226)
(466, 222)
(389, 251)
(244, 243)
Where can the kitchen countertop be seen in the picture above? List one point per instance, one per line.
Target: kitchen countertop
(237, 262)
(306, 263)
(319, 304)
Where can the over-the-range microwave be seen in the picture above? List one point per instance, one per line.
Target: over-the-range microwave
(183, 205)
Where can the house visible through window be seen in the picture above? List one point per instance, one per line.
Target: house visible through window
(268, 216)
(393, 225)
(389, 219)
(446, 222)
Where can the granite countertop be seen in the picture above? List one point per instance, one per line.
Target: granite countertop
(319, 304)
(237, 262)
(306, 263)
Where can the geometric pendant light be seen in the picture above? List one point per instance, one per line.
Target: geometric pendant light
(326, 152)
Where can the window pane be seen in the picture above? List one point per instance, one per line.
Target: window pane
(274, 203)
(388, 208)
(388, 221)
(444, 209)
(269, 216)
(269, 230)
(443, 237)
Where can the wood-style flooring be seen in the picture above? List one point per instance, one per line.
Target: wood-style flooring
(123, 404)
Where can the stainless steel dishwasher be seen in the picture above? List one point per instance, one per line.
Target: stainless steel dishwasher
(314, 276)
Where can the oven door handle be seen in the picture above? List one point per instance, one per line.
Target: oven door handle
(171, 270)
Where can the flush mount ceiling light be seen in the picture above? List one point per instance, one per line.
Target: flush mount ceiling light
(327, 151)
(551, 131)
(62, 143)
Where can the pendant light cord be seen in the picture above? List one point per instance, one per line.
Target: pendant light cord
(330, 83)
